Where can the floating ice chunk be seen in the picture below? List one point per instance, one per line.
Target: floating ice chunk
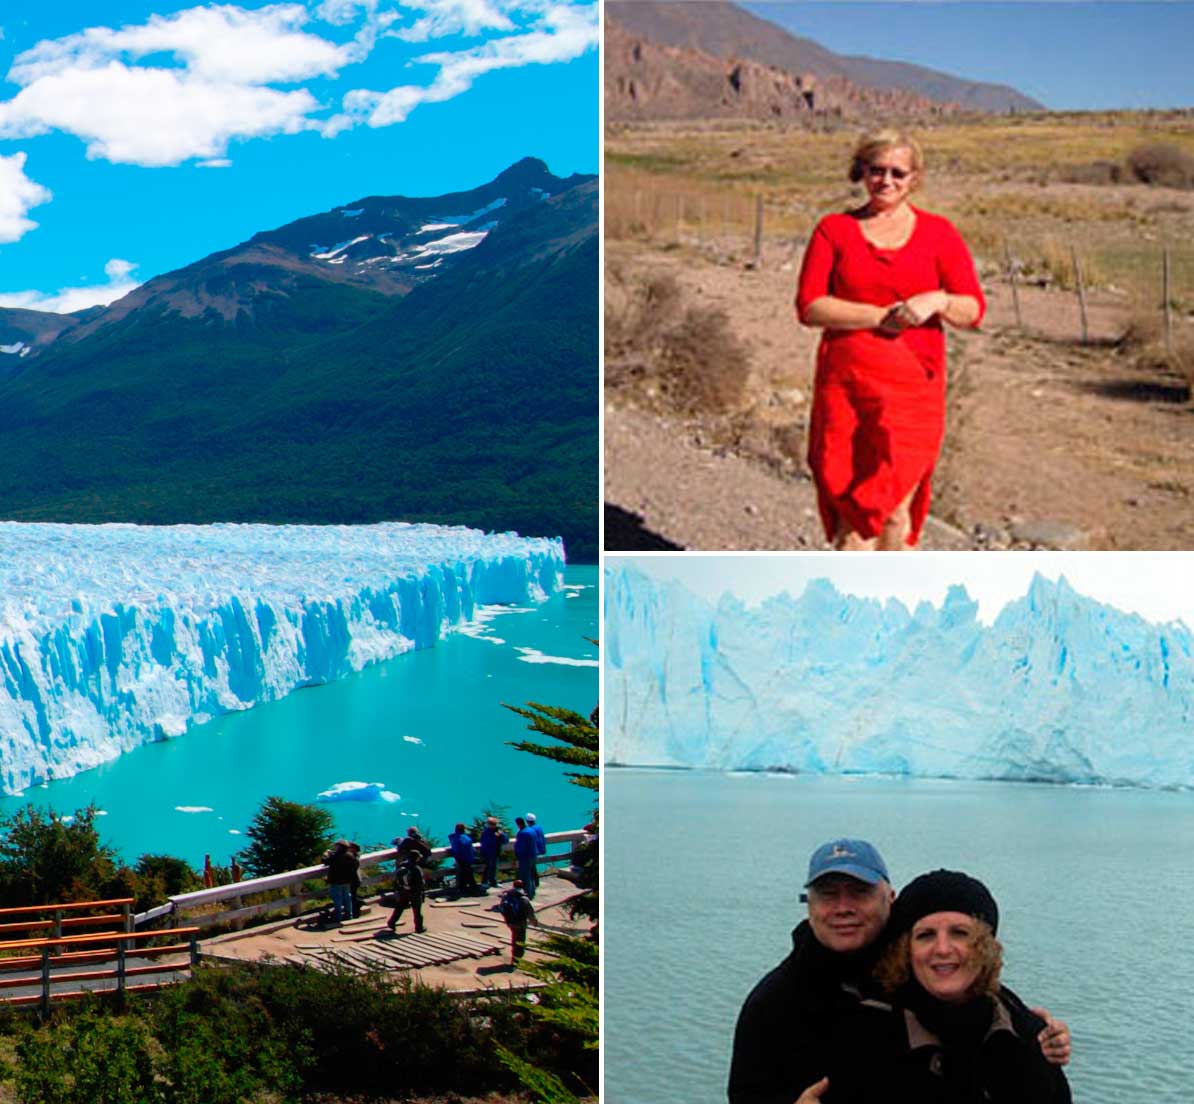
(533, 655)
(358, 791)
(193, 809)
(412, 739)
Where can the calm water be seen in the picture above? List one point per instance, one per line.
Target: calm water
(702, 876)
(195, 794)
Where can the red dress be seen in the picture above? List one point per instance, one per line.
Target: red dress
(878, 414)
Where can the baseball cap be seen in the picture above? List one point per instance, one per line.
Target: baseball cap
(854, 857)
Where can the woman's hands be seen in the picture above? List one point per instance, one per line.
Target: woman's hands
(914, 311)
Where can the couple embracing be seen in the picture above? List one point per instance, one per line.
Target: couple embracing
(889, 999)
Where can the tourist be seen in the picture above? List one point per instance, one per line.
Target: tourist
(526, 848)
(342, 867)
(963, 1037)
(880, 280)
(493, 839)
(412, 843)
(517, 910)
(461, 844)
(408, 887)
(358, 906)
(540, 835)
(801, 1022)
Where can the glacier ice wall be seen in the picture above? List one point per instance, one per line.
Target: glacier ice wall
(115, 635)
(1059, 688)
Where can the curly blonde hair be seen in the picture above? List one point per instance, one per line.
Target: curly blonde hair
(894, 967)
(875, 142)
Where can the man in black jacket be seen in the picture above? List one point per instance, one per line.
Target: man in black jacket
(807, 1015)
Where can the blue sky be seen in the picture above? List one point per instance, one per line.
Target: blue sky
(1069, 56)
(137, 136)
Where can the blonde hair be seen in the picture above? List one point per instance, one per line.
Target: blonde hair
(894, 967)
(875, 142)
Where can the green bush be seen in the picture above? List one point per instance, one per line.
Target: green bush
(95, 1058)
(286, 835)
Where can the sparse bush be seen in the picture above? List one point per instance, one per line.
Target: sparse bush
(678, 357)
(1163, 164)
(1092, 172)
(1143, 340)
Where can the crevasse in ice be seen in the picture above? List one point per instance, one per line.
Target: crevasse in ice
(1058, 688)
(115, 635)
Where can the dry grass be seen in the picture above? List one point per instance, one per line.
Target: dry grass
(1038, 186)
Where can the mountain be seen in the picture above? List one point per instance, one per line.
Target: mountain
(1059, 688)
(429, 359)
(725, 31)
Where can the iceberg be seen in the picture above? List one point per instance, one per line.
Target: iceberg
(358, 791)
(1059, 688)
(112, 636)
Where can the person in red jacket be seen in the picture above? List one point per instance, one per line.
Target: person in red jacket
(880, 281)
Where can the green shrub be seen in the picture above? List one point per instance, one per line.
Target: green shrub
(95, 1058)
(286, 835)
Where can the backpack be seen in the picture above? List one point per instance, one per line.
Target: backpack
(512, 906)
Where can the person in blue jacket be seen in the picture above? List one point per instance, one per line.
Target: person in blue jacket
(525, 850)
(540, 836)
(493, 839)
(461, 844)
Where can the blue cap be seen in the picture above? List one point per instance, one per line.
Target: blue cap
(854, 857)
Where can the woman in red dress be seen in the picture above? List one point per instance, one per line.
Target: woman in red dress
(880, 281)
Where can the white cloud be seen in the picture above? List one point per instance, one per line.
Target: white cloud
(88, 84)
(17, 194)
(446, 17)
(562, 33)
(67, 300)
(184, 87)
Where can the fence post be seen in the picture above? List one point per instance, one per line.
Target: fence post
(120, 978)
(1081, 292)
(45, 982)
(128, 917)
(758, 231)
(194, 949)
(1167, 296)
(57, 923)
(1011, 274)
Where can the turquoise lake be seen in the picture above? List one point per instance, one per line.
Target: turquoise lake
(702, 875)
(429, 725)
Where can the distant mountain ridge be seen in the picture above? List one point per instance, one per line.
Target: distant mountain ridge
(418, 359)
(725, 31)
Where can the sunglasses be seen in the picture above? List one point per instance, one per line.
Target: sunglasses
(880, 171)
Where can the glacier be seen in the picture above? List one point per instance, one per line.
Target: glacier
(112, 636)
(1058, 688)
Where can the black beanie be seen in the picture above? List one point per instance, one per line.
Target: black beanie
(943, 891)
